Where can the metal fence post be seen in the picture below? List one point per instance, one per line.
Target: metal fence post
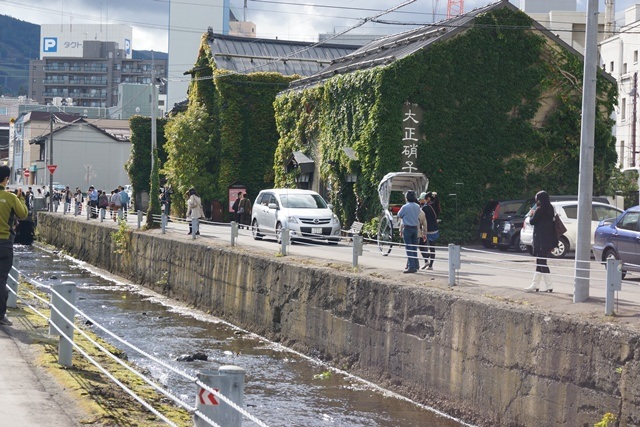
(357, 249)
(234, 232)
(67, 291)
(163, 222)
(88, 210)
(229, 381)
(12, 299)
(454, 263)
(284, 241)
(139, 219)
(614, 283)
(195, 227)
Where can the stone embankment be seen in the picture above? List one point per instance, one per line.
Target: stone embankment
(490, 362)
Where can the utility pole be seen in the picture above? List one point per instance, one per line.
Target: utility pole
(634, 117)
(587, 142)
(154, 137)
(51, 162)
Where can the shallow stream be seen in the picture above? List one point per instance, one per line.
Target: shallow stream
(281, 388)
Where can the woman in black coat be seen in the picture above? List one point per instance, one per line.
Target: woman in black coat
(544, 240)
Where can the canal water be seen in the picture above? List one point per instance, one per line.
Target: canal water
(282, 387)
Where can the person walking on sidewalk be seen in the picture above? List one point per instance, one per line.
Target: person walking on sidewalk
(544, 240)
(11, 208)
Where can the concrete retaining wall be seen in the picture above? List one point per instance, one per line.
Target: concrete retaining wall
(489, 362)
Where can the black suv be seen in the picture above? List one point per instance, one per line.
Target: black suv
(506, 229)
(494, 210)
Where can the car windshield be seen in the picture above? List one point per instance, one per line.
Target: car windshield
(526, 207)
(303, 201)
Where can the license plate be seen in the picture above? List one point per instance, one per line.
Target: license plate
(484, 235)
(495, 240)
(316, 231)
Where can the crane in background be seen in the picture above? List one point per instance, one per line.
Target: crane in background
(455, 8)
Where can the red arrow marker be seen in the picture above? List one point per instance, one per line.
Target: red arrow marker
(206, 397)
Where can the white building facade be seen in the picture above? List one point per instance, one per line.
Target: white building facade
(619, 57)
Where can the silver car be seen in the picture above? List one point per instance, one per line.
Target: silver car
(304, 212)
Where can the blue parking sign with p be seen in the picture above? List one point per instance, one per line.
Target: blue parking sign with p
(50, 44)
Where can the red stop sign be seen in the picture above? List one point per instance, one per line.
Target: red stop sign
(26, 173)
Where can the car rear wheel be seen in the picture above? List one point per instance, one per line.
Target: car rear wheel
(561, 250)
(520, 247)
(609, 254)
(255, 230)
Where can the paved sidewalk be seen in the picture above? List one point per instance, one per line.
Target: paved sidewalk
(28, 396)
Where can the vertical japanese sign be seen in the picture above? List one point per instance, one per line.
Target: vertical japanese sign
(411, 121)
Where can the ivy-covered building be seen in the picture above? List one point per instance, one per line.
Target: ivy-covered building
(227, 134)
(487, 105)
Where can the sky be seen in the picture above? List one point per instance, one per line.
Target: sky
(285, 19)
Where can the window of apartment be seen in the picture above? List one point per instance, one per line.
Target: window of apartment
(623, 109)
(624, 68)
(635, 56)
(622, 154)
(611, 67)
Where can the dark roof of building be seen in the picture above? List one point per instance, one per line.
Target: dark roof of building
(385, 50)
(249, 55)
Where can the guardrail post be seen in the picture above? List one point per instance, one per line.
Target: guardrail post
(139, 219)
(454, 263)
(229, 381)
(357, 249)
(195, 227)
(163, 222)
(88, 211)
(67, 291)
(284, 241)
(234, 232)
(614, 283)
(103, 213)
(12, 299)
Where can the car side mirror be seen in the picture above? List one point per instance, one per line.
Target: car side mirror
(330, 206)
(273, 206)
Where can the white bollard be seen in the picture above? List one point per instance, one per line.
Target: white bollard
(195, 227)
(454, 263)
(284, 241)
(139, 219)
(614, 283)
(229, 381)
(67, 290)
(357, 249)
(163, 222)
(234, 232)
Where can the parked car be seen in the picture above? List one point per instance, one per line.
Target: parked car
(493, 210)
(507, 230)
(619, 239)
(568, 213)
(304, 212)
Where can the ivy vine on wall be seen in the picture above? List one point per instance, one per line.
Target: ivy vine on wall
(501, 105)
